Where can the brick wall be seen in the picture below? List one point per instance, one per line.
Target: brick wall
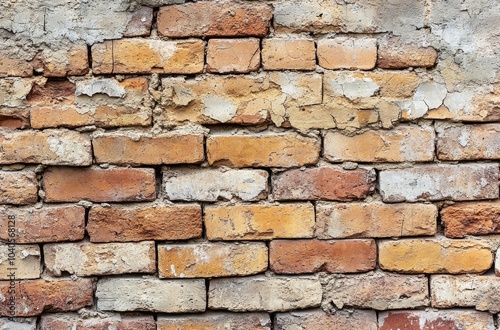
(283, 164)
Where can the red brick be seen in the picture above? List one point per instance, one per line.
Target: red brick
(70, 321)
(288, 54)
(394, 55)
(14, 118)
(233, 55)
(140, 23)
(473, 218)
(215, 321)
(18, 188)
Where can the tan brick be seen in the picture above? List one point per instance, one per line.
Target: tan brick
(311, 256)
(347, 53)
(438, 182)
(136, 148)
(71, 60)
(89, 259)
(139, 222)
(68, 321)
(375, 290)
(327, 182)
(32, 297)
(148, 56)
(260, 293)
(259, 222)
(65, 184)
(43, 225)
(288, 54)
(49, 147)
(401, 144)
(18, 187)
(318, 319)
(214, 19)
(211, 260)
(432, 256)
(393, 55)
(216, 321)
(258, 150)
(14, 67)
(148, 295)
(19, 261)
(18, 323)
(346, 220)
(472, 218)
(233, 55)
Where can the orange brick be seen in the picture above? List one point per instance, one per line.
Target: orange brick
(66, 321)
(14, 118)
(214, 19)
(257, 150)
(311, 256)
(347, 53)
(473, 218)
(288, 54)
(394, 55)
(18, 187)
(233, 55)
(65, 184)
(70, 61)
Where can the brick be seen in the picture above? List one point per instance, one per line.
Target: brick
(347, 53)
(214, 19)
(147, 295)
(25, 259)
(135, 148)
(468, 142)
(260, 293)
(69, 321)
(148, 56)
(288, 54)
(311, 256)
(376, 290)
(327, 182)
(480, 292)
(14, 67)
(14, 118)
(18, 188)
(375, 219)
(131, 223)
(318, 319)
(33, 297)
(70, 60)
(215, 184)
(401, 144)
(67, 184)
(432, 256)
(435, 320)
(18, 323)
(89, 259)
(472, 218)
(211, 260)
(394, 55)
(257, 150)
(49, 147)
(233, 55)
(216, 321)
(43, 225)
(438, 182)
(140, 23)
(259, 222)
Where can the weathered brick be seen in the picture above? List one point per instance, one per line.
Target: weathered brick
(393, 55)
(468, 142)
(140, 23)
(69, 321)
(14, 67)
(18, 323)
(434, 256)
(401, 144)
(311, 256)
(435, 320)
(18, 187)
(327, 182)
(215, 184)
(49, 147)
(288, 54)
(375, 219)
(67, 184)
(33, 297)
(24, 259)
(70, 60)
(149, 295)
(233, 55)
(347, 53)
(481, 292)
(135, 148)
(214, 19)
(43, 225)
(211, 260)
(216, 321)
(437, 182)
(259, 222)
(120, 223)
(89, 259)
(376, 290)
(148, 56)
(260, 293)
(318, 319)
(258, 150)
(14, 118)
(472, 218)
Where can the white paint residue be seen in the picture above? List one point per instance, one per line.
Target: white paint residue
(218, 108)
(353, 88)
(164, 49)
(433, 94)
(460, 102)
(463, 139)
(94, 86)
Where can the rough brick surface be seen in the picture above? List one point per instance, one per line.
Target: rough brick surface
(464, 219)
(18, 187)
(19, 261)
(497, 263)
(233, 55)
(18, 323)
(347, 53)
(394, 56)
(216, 321)
(67, 321)
(288, 54)
(355, 319)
